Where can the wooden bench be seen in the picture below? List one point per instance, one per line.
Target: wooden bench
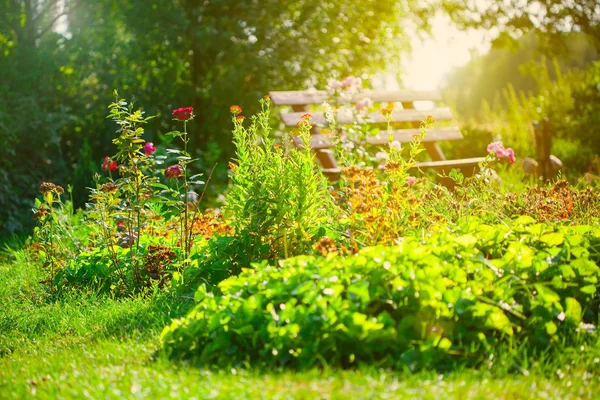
(406, 119)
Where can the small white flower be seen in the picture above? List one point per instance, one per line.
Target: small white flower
(381, 155)
(395, 145)
(348, 146)
(364, 104)
(329, 114)
(333, 85)
(192, 197)
(352, 84)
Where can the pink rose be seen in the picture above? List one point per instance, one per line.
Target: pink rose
(149, 148)
(502, 153)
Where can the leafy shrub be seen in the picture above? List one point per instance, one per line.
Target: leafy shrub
(444, 296)
(113, 270)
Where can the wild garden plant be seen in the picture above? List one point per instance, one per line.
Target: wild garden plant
(126, 205)
(278, 204)
(181, 195)
(134, 184)
(48, 232)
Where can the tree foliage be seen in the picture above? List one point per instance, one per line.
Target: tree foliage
(552, 19)
(61, 60)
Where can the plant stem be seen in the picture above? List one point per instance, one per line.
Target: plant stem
(185, 243)
(197, 210)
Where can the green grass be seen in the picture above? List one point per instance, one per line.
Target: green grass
(123, 368)
(83, 345)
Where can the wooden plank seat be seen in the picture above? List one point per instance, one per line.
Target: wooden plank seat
(406, 118)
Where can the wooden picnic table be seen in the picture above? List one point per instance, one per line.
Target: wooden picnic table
(404, 115)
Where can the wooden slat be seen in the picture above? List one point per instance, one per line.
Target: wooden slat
(346, 117)
(305, 97)
(465, 162)
(468, 165)
(407, 135)
(323, 141)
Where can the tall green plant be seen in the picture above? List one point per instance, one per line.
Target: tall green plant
(279, 201)
(135, 180)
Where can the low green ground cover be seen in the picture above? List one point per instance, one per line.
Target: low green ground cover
(92, 346)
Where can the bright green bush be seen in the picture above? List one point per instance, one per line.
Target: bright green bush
(443, 296)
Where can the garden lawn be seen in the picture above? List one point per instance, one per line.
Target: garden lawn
(83, 345)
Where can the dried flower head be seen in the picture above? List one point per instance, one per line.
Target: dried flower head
(184, 113)
(41, 212)
(326, 245)
(392, 166)
(109, 187)
(47, 187)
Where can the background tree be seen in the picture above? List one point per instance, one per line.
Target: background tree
(61, 60)
(511, 19)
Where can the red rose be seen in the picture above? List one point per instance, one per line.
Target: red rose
(108, 164)
(183, 114)
(174, 171)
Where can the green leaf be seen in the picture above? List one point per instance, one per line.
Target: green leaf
(550, 328)
(524, 220)
(552, 239)
(547, 295)
(466, 240)
(159, 185)
(572, 311)
(520, 253)
(444, 344)
(588, 289)
(494, 318)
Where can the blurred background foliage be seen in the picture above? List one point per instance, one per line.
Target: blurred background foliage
(60, 61)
